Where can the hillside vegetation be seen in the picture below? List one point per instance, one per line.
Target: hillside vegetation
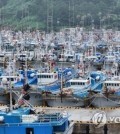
(36, 14)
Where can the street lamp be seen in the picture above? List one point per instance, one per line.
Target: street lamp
(58, 23)
(92, 24)
(99, 14)
(83, 20)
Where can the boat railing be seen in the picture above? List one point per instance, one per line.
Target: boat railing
(50, 118)
(53, 119)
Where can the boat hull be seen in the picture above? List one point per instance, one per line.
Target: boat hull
(56, 101)
(102, 101)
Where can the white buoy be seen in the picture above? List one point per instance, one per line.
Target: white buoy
(1, 118)
(98, 77)
(32, 74)
(4, 80)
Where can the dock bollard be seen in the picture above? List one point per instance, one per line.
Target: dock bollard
(105, 129)
(87, 129)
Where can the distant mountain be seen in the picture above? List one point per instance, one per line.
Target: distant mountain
(53, 14)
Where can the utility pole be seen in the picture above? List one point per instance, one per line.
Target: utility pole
(49, 15)
(73, 13)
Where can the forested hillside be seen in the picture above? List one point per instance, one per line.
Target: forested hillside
(53, 14)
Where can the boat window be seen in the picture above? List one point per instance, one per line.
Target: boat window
(12, 79)
(29, 130)
(117, 84)
(22, 55)
(70, 57)
(72, 83)
(61, 56)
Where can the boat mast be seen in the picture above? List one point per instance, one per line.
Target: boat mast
(9, 86)
(26, 80)
(62, 76)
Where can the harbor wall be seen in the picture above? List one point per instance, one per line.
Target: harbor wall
(92, 129)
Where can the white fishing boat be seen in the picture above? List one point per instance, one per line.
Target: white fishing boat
(110, 96)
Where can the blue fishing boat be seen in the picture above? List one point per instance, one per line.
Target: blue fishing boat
(96, 79)
(21, 121)
(24, 118)
(110, 94)
(28, 76)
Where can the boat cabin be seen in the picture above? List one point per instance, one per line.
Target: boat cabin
(110, 58)
(112, 84)
(67, 56)
(78, 83)
(47, 78)
(22, 57)
(8, 79)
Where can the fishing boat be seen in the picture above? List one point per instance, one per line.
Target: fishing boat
(75, 86)
(29, 77)
(26, 120)
(93, 86)
(53, 91)
(110, 95)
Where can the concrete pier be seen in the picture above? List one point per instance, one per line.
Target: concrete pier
(82, 119)
(83, 123)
